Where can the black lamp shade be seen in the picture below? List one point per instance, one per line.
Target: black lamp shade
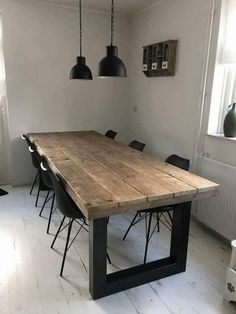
(111, 65)
(81, 71)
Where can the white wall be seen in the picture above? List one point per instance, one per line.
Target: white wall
(220, 149)
(167, 108)
(41, 43)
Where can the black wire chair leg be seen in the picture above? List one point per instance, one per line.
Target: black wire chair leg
(51, 211)
(130, 226)
(44, 203)
(58, 231)
(66, 247)
(147, 238)
(37, 198)
(108, 258)
(170, 217)
(158, 222)
(35, 180)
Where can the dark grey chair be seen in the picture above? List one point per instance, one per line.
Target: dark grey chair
(111, 134)
(44, 176)
(3, 193)
(157, 213)
(34, 161)
(137, 145)
(179, 162)
(42, 184)
(69, 210)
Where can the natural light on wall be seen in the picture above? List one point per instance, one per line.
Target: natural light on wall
(229, 51)
(5, 175)
(224, 85)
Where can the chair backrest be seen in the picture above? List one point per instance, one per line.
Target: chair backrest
(65, 203)
(111, 134)
(25, 138)
(45, 179)
(33, 153)
(2, 192)
(179, 162)
(137, 145)
(34, 161)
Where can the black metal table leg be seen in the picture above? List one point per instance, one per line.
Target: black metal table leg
(147, 237)
(97, 257)
(179, 234)
(101, 284)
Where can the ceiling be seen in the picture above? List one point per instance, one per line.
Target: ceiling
(121, 6)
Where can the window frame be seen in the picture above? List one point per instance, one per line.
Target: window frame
(223, 92)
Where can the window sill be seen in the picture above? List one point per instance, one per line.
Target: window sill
(221, 136)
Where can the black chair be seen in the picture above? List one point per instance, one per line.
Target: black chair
(45, 184)
(111, 134)
(70, 210)
(34, 161)
(44, 175)
(157, 213)
(42, 185)
(137, 145)
(179, 162)
(3, 193)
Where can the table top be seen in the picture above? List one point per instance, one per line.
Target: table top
(105, 177)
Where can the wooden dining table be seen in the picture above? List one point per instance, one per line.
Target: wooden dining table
(104, 178)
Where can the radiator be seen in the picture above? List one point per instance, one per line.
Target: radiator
(219, 213)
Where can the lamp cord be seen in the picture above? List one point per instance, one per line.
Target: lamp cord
(112, 22)
(80, 17)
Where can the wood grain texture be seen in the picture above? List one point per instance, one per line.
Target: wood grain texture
(105, 177)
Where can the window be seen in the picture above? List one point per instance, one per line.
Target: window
(224, 85)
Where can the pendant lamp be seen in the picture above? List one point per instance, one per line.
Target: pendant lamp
(111, 65)
(80, 71)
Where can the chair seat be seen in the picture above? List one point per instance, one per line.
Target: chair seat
(75, 212)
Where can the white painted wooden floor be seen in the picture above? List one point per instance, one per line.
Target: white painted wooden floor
(29, 269)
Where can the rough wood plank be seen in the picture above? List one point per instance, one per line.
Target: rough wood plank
(201, 184)
(148, 180)
(173, 184)
(91, 186)
(105, 177)
(84, 190)
(148, 187)
(121, 190)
